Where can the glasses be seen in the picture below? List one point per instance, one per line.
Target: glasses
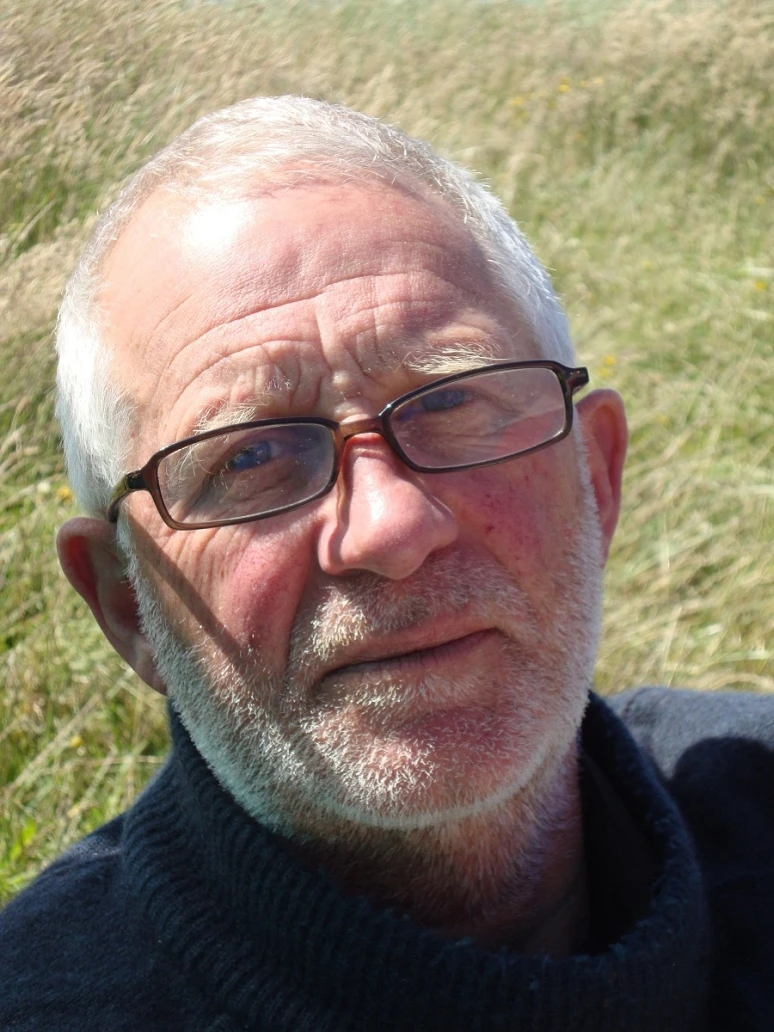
(265, 467)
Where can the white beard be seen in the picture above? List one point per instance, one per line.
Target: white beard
(301, 766)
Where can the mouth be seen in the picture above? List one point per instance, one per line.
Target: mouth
(429, 692)
(404, 659)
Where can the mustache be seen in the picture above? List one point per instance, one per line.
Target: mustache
(365, 606)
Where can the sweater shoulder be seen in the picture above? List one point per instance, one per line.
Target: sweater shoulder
(79, 882)
(715, 754)
(77, 953)
(669, 722)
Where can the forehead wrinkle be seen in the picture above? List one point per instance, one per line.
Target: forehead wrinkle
(219, 323)
(227, 327)
(225, 349)
(269, 386)
(457, 329)
(465, 297)
(226, 330)
(139, 345)
(338, 277)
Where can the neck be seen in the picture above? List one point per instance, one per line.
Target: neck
(512, 877)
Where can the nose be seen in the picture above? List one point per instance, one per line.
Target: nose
(381, 516)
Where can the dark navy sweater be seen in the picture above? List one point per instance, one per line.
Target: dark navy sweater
(184, 915)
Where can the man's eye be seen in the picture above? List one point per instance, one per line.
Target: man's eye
(249, 457)
(435, 402)
(442, 401)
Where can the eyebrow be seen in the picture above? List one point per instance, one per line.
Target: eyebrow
(222, 414)
(456, 357)
(443, 360)
(227, 415)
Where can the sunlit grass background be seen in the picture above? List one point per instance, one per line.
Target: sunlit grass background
(635, 145)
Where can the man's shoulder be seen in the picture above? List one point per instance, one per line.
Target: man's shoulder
(668, 723)
(75, 950)
(76, 885)
(715, 754)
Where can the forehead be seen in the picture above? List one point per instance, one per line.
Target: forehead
(322, 298)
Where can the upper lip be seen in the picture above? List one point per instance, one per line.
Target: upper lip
(419, 640)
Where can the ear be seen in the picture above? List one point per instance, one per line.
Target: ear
(603, 424)
(90, 560)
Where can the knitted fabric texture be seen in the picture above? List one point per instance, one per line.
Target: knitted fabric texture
(187, 915)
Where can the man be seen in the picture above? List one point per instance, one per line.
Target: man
(360, 548)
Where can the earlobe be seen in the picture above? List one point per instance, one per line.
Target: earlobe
(603, 424)
(89, 558)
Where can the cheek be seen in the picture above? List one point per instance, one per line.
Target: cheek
(240, 586)
(525, 518)
(258, 585)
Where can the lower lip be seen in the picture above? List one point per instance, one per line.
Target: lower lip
(456, 650)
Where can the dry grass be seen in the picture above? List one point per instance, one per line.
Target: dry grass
(633, 143)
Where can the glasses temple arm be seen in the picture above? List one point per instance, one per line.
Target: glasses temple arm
(134, 481)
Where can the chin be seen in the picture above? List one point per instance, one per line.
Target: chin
(448, 767)
(443, 768)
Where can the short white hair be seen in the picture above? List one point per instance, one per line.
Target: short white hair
(265, 143)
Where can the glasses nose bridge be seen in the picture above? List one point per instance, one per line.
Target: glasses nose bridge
(355, 427)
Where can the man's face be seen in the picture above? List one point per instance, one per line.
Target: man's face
(410, 647)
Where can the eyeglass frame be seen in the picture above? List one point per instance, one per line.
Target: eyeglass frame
(146, 478)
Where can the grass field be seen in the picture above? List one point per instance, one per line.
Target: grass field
(635, 145)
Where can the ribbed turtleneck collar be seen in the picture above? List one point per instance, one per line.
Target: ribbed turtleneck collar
(276, 945)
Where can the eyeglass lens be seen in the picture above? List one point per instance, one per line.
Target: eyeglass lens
(246, 472)
(477, 419)
(480, 418)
